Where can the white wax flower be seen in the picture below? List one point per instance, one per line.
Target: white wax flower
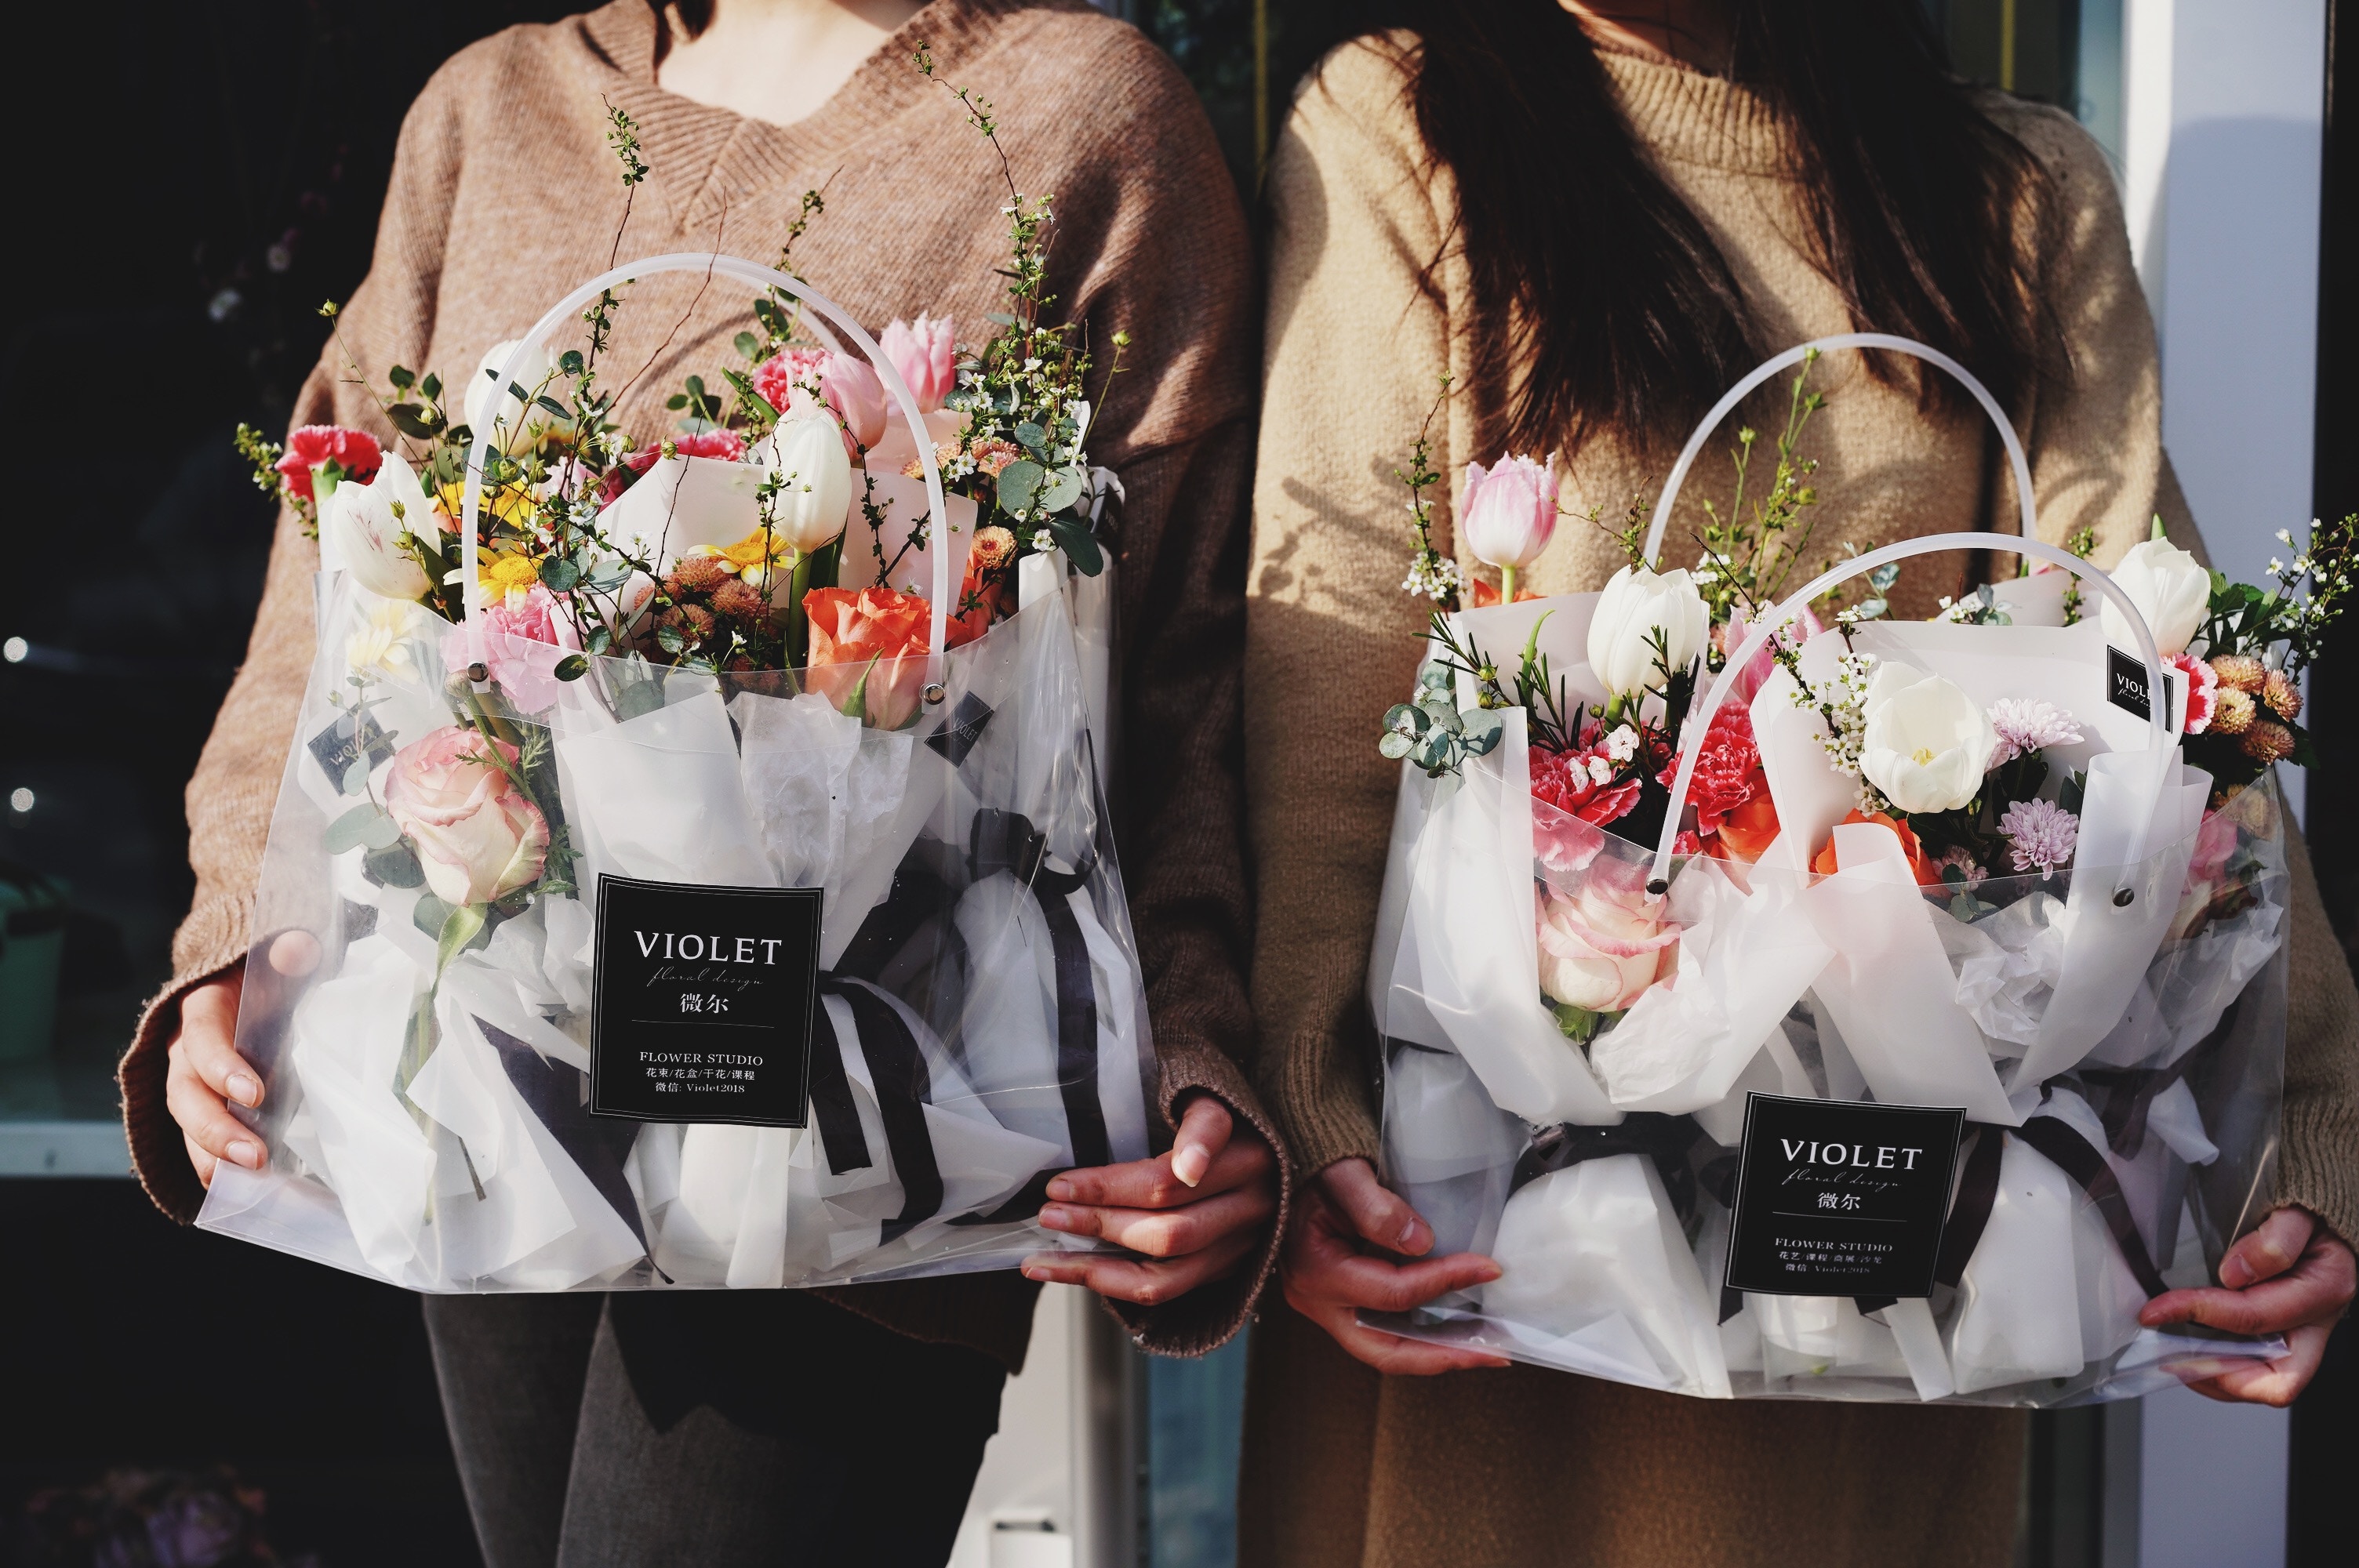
(805, 455)
(1636, 603)
(361, 530)
(489, 400)
(2171, 590)
(1927, 743)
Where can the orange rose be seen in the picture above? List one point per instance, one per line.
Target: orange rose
(1746, 831)
(981, 602)
(1928, 874)
(868, 651)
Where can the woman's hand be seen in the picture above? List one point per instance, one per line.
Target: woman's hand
(1342, 1254)
(204, 1072)
(1196, 1211)
(2291, 1277)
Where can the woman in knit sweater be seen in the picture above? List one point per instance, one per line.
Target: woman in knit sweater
(1595, 228)
(841, 1426)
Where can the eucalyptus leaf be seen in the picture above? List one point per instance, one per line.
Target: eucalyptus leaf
(356, 774)
(559, 575)
(1395, 745)
(1065, 487)
(1019, 484)
(430, 915)
(573, 666)
(394, 867)
(362, 826)
(1032, 438)
(572, 363)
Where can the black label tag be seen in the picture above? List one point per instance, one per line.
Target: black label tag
(2125, 683)
(342, 743)
(956, 735)
(1841, 1198)
(704, 1000)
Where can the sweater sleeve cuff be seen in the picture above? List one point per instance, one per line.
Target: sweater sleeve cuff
(1209, 1316)
(159, 1155)
(2328, 1188)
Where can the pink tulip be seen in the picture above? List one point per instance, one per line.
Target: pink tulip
(926, 356)
(851, 390)
(1797, 632)
(1508, 515)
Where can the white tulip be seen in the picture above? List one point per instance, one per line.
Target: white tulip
(806, 456)
(1636, 603)
(363, 527)
(489, 399)
(2171, 590)
(1927, 743)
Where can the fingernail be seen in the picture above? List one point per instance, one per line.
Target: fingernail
(1035, 1272)
(2234, 1272)
(246, 1088)
(247, 1154)
(1061, 1188)
(1190, 1165)
(1407, 1240)
(1055, 1219)
(1489, 1272)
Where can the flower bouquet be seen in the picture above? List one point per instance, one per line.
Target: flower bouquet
(1899, 1006)
(703, 836)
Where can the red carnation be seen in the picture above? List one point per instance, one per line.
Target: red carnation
(1728, 768)
(1569, 782)
(355, 452)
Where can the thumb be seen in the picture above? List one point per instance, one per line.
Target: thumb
(1204, 1129)
(1382, 1217)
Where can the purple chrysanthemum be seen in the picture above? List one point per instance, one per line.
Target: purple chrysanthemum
(2027, 724)
(2040, 836)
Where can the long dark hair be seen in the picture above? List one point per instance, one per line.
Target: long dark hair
(1626, 314)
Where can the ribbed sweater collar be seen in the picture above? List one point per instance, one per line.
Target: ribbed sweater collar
(706, 152)
(1692, 117)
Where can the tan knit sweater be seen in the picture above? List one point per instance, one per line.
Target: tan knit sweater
(1352, 353)
(1344, 1468)
(505, 195)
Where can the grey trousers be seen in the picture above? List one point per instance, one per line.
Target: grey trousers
(714, 1428)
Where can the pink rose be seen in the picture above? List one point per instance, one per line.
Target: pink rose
(479, 838)
(1604, 947)
(520, 648)
(927, 357)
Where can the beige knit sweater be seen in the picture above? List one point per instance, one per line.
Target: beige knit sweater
(1352, 356)
(505, 195)
(1344, 1468)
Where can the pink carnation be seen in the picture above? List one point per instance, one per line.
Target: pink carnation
(520, 649)
(2202, 683)
(355, 452)
(726, 445)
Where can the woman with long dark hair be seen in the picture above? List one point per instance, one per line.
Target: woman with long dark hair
(1596, 219)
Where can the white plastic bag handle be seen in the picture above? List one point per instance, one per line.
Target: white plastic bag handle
(744, 272)
(1794, 356)
(2162, 727)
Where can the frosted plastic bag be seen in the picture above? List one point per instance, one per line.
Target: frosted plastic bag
(431, 1116)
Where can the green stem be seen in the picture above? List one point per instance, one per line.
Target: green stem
(1506, 585)
(797, 622)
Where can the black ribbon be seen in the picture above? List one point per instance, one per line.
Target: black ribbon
(2078, 1159)
(1007, 840)
(1665, 1139)
(555, 1093)
(896, 1067)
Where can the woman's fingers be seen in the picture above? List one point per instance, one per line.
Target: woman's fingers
(2274, 1383)
(1167, 1233)
(1376, 1214)
(1204, 1132)
(2318, 1289)
(207, 1042)
(1390, 1353)
(1146, 1281)
(2274, 1246)
(1153, 1183)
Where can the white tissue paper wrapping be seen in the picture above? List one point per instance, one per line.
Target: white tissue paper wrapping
(1744, 960)
(1447, 1150)
(1478, 948)
(1597, 1277)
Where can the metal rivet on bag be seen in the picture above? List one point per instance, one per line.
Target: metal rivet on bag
(1658, 887)
(478, 673)
(2124, 899)
(935, 692)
